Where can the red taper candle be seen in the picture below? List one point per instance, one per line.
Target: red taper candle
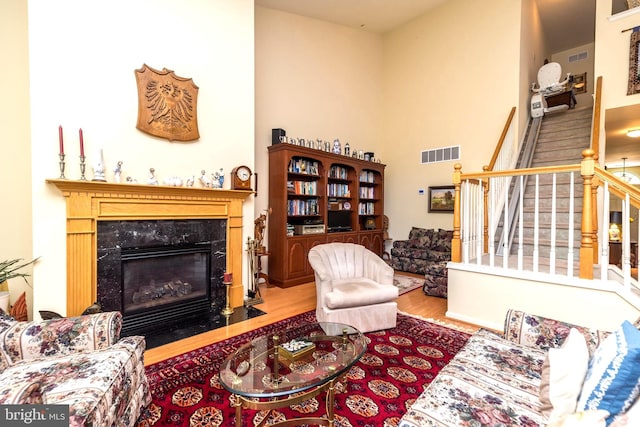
(60, 138)
(81, 144)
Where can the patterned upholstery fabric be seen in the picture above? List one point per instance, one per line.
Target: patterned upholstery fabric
(493, 380)
(78, 361)
(427, 252)
(538, 331)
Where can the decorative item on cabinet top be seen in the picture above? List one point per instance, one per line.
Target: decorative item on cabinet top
(279, 136)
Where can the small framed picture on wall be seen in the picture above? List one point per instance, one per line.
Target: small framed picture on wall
(441, 198)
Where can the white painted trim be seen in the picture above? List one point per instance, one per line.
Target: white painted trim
(625, 14)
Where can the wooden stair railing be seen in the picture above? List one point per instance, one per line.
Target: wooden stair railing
(587, 252)
(592, 176)
(595, 146)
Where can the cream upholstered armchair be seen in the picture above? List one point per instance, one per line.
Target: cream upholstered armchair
(354, 286)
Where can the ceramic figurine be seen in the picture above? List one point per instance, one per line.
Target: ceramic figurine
(117, 171)
(152, 177)
(98, 167)
(347, 149)
(337, 148)
(215, 180)
(204, 180)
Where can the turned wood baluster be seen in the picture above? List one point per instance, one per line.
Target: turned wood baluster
(456, 247)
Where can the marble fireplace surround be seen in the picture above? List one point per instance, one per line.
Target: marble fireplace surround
(88, 202)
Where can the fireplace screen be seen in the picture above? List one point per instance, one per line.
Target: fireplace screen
(157, 277)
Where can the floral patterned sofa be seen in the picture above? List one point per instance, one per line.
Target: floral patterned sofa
(427, 251)
(77, 361)
(495, 380)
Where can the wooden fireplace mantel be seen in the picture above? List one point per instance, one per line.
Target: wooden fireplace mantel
(91, 201)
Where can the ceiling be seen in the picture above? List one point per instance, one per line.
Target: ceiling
(566, 24)
(378, 16)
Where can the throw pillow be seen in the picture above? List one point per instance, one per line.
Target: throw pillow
(417, 232)
(563, 374)
(19, 308)
(631, 418)
(613, 378)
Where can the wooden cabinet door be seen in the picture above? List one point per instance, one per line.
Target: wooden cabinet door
(343, 238)
(377, 244)
(365, 240)
(296, 258)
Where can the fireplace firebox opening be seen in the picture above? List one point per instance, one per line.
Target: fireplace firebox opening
(157, 279)
(161, 272)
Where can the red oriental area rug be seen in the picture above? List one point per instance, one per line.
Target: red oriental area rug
(388, 378)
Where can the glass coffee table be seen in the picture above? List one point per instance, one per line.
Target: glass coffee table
(291, 366)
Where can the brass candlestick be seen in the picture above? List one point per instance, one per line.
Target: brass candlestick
(82, 166)
(61, 155)
(276, 363)
(227, 310)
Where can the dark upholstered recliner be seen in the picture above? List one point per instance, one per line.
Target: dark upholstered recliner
(427, 251)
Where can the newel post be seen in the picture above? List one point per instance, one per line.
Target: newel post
(456, 256)
(587, 170)
(485, 190)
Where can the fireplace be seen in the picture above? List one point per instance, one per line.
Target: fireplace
(158, 272)
(90, 204)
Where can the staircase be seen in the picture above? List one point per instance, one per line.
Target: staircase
(561, 139)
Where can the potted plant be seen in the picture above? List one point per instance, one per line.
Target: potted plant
(8, 270)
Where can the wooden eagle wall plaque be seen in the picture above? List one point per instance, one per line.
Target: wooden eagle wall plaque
(167, 105)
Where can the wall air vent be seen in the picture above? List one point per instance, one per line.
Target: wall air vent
(443, 154)
(578, 56)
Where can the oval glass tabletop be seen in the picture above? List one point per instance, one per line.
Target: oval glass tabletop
(292, 360)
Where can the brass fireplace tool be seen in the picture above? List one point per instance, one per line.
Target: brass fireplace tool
(253, 293)
(227, 310)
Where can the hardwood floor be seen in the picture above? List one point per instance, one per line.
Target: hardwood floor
(283, 303)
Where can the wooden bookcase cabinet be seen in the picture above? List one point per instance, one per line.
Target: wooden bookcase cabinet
(333, 198)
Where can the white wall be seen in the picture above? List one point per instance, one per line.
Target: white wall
(612, 55)
(15, 150)
(315, 80)
(533, 51)
(578, 67)
(451, 78)
(483, 299)
(82, 61)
